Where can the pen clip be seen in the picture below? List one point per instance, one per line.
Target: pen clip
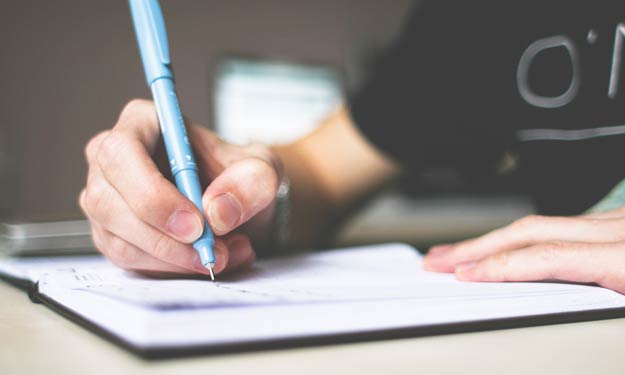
(156, 21)
(151, 35)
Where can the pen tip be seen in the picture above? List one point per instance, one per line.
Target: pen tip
(210, 269)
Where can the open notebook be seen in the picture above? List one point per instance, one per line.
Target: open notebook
(340, 295)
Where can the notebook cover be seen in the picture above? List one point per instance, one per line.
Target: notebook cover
(158, 352)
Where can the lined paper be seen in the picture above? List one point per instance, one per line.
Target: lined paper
(365, 289)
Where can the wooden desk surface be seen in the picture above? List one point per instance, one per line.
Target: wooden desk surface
(34, 340)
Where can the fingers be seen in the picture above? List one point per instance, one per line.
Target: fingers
(232, 252)
(577, 262)
(240, 252)
(612, 214)
(214, 155)
(241, 191)
(523, 233)
(104, 206)
(126, 165)
(127, 256)
(139, 121)
(245, 179)
(143, 222)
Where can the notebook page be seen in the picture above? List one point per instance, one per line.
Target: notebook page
(382, 272)
(31, 268)
(343, 291)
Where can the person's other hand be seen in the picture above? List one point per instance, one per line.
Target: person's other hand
(140, 220)
(585, 249)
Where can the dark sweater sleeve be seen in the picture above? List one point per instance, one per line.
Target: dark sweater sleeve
(416, 105)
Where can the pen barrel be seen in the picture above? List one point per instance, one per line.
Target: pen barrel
(188, 183)
(172, 125)
(180, 155)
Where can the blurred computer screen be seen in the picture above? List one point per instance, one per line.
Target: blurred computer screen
(272, 101)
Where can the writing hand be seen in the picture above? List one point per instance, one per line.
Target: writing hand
(140, 220)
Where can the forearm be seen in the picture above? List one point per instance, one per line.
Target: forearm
(330, 171)
(310, 207)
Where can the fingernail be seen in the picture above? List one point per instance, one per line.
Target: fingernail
(185, 225)
(224, 212)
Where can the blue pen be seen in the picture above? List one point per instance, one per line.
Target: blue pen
(149, 26)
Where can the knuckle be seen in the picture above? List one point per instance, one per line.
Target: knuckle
(259, 150)
(529, 220)
(110, 149)
(92, 147)
(135, 106)
(161, 247)
(496, 267)
(265, 174)
(121, 253)
(266, 183)
(149, 202)
(264, 153)
(550, 251)
(96, 199)
(501, 260)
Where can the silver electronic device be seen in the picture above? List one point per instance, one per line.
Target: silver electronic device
(46, 238)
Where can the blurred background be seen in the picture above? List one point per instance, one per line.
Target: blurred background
(68, 67)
